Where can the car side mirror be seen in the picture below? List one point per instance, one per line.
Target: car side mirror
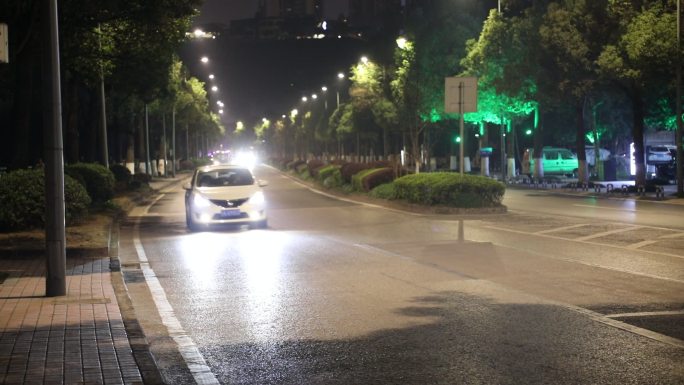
(262, 183)
(187, 186)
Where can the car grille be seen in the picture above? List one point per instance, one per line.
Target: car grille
(229, 203)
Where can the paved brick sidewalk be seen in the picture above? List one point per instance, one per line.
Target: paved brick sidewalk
(77, 338)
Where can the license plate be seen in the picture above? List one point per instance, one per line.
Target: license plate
(230, 213)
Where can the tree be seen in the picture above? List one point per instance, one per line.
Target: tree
(640, 59)
(572, 34)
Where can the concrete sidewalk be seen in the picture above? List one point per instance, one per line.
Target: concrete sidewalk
(88, 336)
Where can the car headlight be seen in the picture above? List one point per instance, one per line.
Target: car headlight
(257, 198)
(200, 201)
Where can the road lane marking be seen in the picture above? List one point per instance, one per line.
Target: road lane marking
(561, 228)
(605, 208)
(605, 233)
(193, 359)
(594, 244)
(646, 314)
(639, 245)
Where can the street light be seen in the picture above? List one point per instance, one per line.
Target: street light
(314, 96)
(364, 59)
(211, 76)
(214, 88)
(340, 76)
(204, 59)
(304, 98)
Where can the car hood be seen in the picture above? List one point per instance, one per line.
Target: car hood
(223, 193)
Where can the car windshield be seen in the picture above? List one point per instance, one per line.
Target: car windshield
(225, 177)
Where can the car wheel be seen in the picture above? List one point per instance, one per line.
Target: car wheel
(262, 224)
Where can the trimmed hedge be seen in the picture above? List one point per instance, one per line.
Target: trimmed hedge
(366, 180)
(348, 170)
(314, 165)
(450, 189)
(330, 176)
(22, 200)
(121, 173)
(97, 179)
(384, 191)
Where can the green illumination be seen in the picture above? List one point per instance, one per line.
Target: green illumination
(457, 139)
(528, 132)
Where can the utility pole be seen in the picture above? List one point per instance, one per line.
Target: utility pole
(55, 237)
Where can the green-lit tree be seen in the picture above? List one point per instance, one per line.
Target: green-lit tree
(640, 59)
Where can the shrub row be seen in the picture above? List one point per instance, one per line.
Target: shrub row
(449, 189)
(22, 200)
(367, 180)
(96, 178)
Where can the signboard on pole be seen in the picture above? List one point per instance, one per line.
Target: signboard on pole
(454, 87)
(4, 44)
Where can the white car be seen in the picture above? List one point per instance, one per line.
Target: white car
(224, 194)
(658, 154)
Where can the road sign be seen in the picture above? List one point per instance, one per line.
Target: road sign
(456, 88)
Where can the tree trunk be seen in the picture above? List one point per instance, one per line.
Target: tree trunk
(583, 169)
(539, 146)
(638, 135)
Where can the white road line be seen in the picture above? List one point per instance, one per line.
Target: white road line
(669, 236)
(194, 360)
(605, 208)
(641, 244)
(647, 314)
(605, 233)
(561, 228)
(596, 244)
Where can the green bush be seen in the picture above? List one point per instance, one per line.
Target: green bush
(330, 176)
(384, 191)
(348, 170)
(377, 177)
(98, 180)
(121, 173)
(295, 164)
(314, 165)
(22, 200)
(450, 189)
(366, 180)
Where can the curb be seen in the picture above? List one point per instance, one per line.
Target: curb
(136, 337)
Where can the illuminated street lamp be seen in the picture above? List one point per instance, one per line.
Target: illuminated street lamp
(401, 42)
(221, 112)
(211, 76)
(314, 96)
(364, 60)
(214, 88)
(340, 76)
(304, 98)
(204, 59)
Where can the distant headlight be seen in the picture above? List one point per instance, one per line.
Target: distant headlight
(257, 199)
(200, 201)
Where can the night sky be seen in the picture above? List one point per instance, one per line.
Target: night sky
(222, 11)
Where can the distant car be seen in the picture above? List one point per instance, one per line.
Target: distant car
(556, 160)
(658, 154)
(224, 194)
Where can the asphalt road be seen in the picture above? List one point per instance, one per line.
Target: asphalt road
(337, 292)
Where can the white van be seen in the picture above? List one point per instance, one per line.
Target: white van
(555, 160)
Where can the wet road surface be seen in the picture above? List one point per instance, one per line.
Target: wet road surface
(336, 292)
